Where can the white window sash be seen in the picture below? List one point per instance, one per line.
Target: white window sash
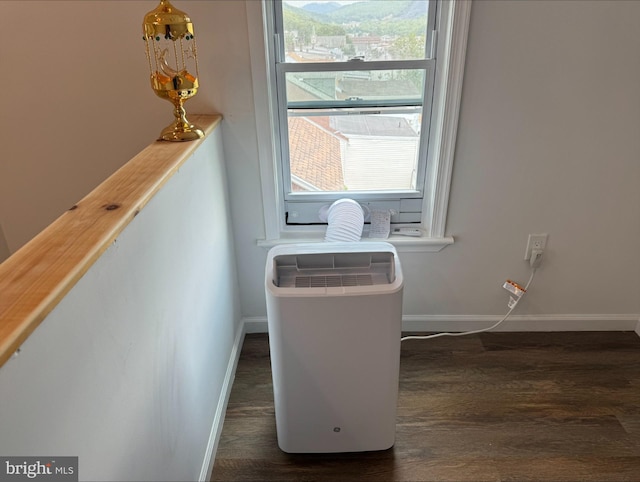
(452, 25)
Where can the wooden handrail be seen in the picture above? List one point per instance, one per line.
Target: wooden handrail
(41, 273)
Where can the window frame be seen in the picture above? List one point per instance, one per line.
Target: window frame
(452, 23)
(305, 204)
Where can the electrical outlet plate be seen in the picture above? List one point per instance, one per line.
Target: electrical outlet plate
(535, 241)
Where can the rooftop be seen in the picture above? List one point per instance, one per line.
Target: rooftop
(315, 154)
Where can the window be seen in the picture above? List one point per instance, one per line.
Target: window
(359, 105)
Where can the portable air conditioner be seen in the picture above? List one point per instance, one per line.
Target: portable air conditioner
(334, 314)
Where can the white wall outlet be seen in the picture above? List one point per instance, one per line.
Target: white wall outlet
(537, 242)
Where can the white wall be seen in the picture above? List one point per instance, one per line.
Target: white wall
(72, 113)
(129, 371)
(547, 143)
(80, 104)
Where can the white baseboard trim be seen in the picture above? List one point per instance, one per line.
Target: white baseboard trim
(223, 400)
(458, 323)
(255, 324)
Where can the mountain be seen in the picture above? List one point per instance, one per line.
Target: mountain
(370, 10)
(395, 17)
(416, 9)
(306, 22)
(322, 8)
(334, 12)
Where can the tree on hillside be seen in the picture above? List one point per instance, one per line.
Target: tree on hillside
(409, 47)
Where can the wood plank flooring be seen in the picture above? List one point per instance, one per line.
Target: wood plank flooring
(487, 407)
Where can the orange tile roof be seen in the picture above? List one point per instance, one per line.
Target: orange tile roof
(315, 153)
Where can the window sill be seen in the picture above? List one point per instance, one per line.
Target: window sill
(403, 244)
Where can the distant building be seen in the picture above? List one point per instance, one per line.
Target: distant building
(378, 152)
(366, 45)
(330, 41)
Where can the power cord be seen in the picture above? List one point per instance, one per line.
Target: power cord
(512, 306)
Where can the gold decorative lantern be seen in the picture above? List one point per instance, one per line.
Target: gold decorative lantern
(173, 64)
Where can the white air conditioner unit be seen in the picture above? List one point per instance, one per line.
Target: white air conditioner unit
(334, 313)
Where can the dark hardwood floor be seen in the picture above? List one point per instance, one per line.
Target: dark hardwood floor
(488, 407)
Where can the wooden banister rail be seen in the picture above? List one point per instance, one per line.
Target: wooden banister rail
(41, 273)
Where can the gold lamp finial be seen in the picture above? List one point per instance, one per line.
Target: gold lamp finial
(173, 65)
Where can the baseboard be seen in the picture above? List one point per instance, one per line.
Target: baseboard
(223, 400)
(458, 323)
(255, 324)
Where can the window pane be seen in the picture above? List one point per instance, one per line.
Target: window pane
(355, 152)
(330, 30)
(384, 87)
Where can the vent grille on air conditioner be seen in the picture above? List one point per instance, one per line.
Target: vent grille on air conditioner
(334, 270)
(333, 281)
